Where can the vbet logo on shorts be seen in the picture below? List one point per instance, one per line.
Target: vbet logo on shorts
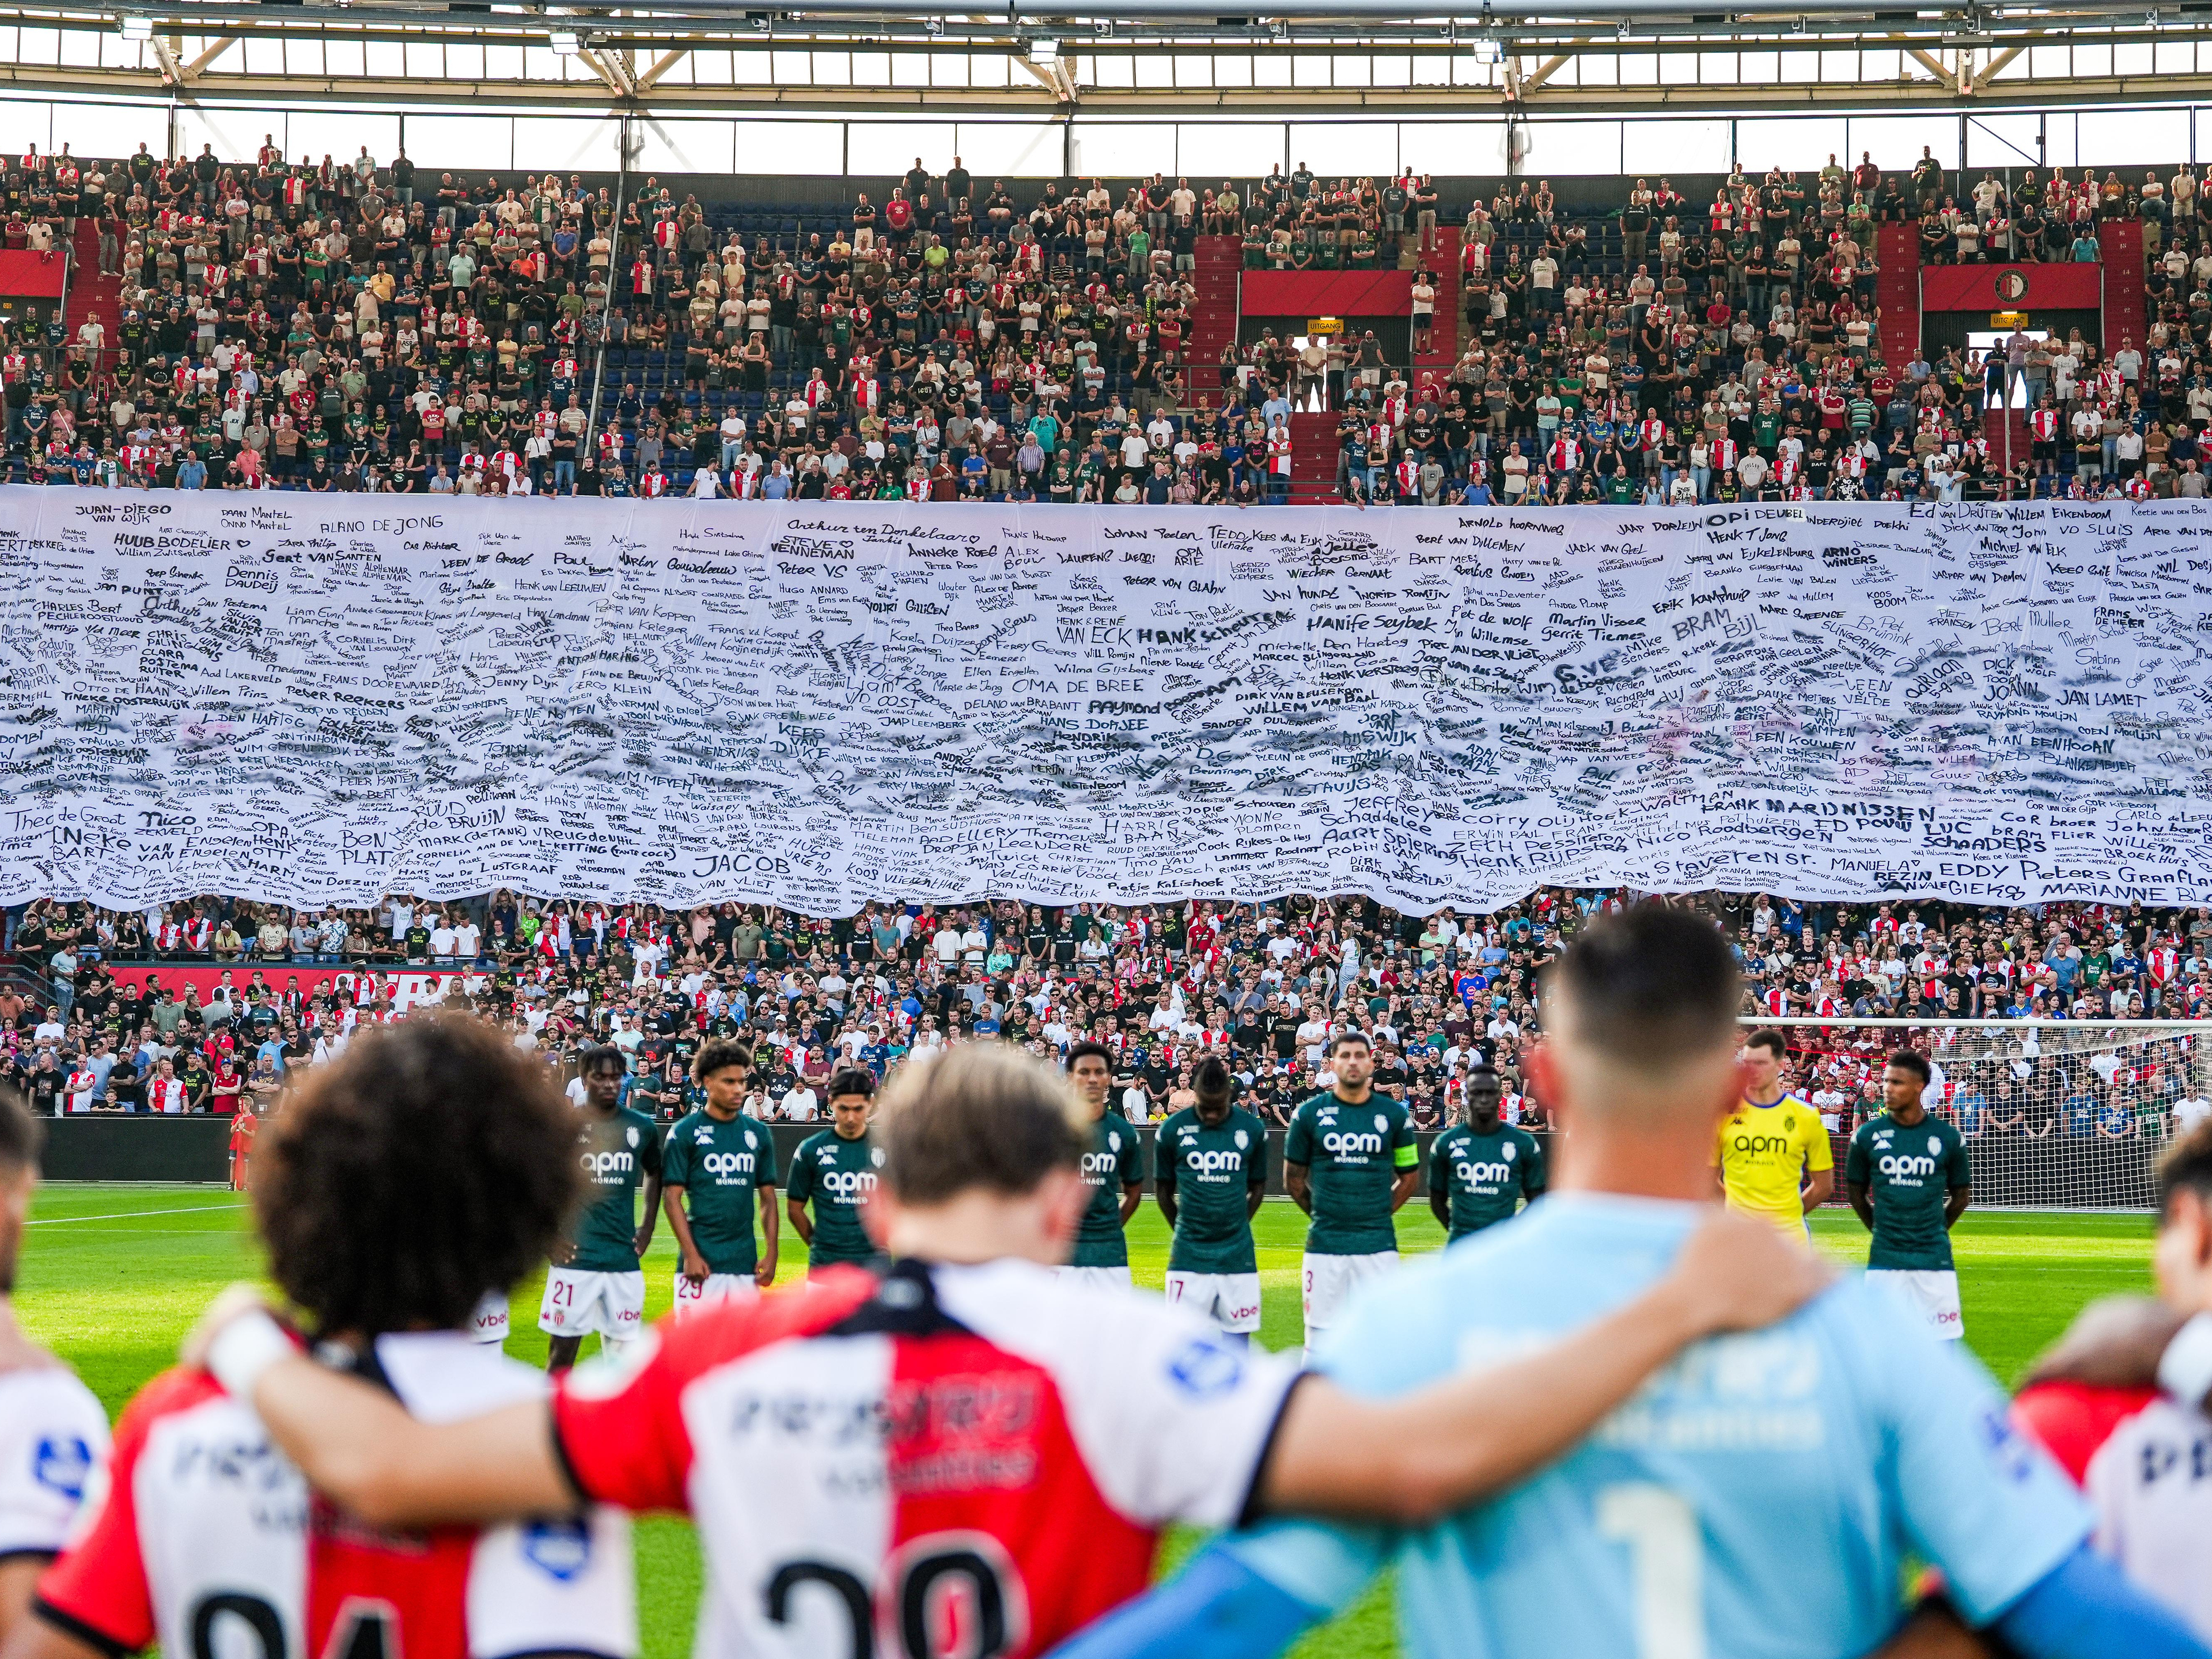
(559, 1549)
(1356, 1143)
(62, 1464)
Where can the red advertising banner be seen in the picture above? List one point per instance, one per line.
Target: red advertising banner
(1346, 294)
(402, 988)
(2012, 288)
(26, 275)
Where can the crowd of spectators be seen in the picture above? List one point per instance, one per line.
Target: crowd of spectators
(359, 326)
(1264, 985)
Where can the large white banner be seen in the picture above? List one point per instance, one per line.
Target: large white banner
(819, 704)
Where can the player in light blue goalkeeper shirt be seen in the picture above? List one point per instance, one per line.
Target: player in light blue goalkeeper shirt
(1760, 1496)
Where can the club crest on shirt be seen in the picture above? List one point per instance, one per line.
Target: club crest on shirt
(562, 1550)
(62, 1463)
(1204, 1369)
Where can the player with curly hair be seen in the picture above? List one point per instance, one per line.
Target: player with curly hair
(431, 1163)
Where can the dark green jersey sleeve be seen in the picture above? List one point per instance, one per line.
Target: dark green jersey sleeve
(1298, 1144)
(1958, 1170)
(676, 1156)
(1440, 1180)
(799, 1189)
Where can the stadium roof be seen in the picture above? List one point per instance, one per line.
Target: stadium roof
(1182, 59)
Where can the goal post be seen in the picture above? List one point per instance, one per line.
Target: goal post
(2056, 1115)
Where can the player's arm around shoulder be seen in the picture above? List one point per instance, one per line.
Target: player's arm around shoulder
(1385, 1442)
(1379, 1440)
(360, 1448)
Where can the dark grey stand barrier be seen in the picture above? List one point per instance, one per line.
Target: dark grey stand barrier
(137, 1147)
(2009, 1170)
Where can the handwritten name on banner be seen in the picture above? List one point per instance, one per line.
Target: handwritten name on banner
(319, 702)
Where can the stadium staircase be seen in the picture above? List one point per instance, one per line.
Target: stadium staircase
(89, 290)
(2003, 427)
(1218, 278)
(1444, 263)
(1313, 458)
(1897, 291)
(2121, 244)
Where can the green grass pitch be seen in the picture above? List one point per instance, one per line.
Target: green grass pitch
(113, 1275)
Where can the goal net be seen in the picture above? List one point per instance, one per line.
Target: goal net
(2057, 1115)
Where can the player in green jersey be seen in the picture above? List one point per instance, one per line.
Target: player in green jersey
(1907, 1176)
(835, 1171)
(597, 1281)
(1213, 1165)
(718, 1167)
(1349, 1163)
(1481, 1169)
(1113, 1168)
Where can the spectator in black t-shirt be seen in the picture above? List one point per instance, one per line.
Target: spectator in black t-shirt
(126, 1089)
(44, 1085)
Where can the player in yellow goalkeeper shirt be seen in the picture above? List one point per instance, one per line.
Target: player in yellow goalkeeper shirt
(1772, 1152)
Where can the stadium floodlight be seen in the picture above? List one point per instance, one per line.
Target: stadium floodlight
(565, 42)
(1489, 51)
(137, 29)
(1044, 52)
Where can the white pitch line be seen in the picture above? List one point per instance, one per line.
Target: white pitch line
(132, 1215)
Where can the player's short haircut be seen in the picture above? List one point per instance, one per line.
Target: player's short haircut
(1350, 1039)
(21, 1135)
(719, 1055)
(2186, 1163)
(1650, 986)
(430, 1162)
(1088, 1050)
(1912, 1061)
(1481, 1080)
(598, 1057)
(852, 1080)
(1770, 1039)
(1209, 1079)
(980, 1115)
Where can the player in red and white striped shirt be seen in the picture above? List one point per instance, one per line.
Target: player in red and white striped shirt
(433, 1161)
(2143, 1453)
(964, 1454)
(53, 1434)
